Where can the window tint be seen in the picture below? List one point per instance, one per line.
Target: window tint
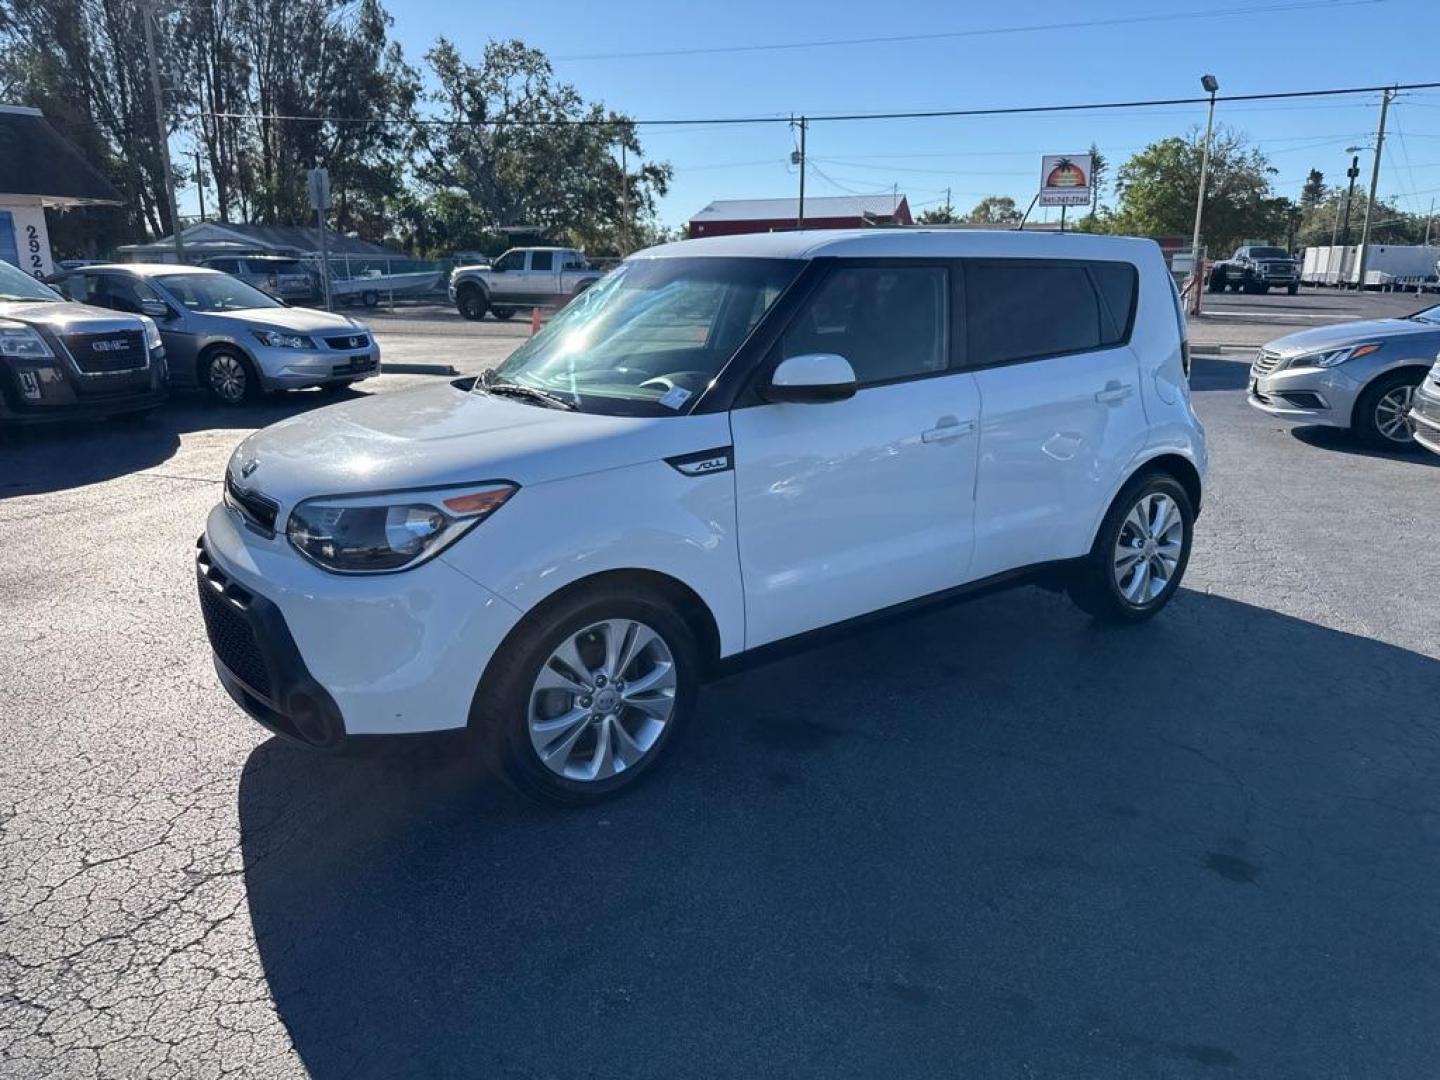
(542, 260)
(511, 260)
(122, 292)
(889, 322)
(79, 287)
(1117, 285)
(1018, 309)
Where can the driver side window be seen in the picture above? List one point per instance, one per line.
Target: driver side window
(511, 260)
(890, 323)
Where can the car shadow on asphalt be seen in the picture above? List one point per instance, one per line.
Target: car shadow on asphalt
(1341, 441)
(61, 456)
(992, 834)
(1218, 373)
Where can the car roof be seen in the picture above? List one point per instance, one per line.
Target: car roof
(909, 243)
(148, 269)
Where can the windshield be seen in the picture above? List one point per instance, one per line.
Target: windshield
(1269, 253)
(1428, 315)
(651, 335)
(215, 292)
(15, 284)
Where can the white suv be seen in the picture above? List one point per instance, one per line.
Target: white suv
(725, 444)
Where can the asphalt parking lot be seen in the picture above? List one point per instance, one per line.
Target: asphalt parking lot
(994, 841)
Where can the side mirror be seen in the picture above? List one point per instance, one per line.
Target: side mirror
(156, 309)
(812, 379)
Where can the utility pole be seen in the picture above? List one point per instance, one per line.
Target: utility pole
(162, 127)
(1428, 219)
(1352, 173)
(798, 158)
(1374, 184)
(200, 183)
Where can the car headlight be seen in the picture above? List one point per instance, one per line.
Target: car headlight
(1334, 356)
(376, 534)
(22, 342)
(278, 339)
(153, 341)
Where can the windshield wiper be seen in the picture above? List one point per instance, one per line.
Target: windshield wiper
(489, 384)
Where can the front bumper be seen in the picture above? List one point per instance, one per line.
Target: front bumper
(48, 390)
(289, 369)
(324, 658)
(1425, 412)
(1305, 395)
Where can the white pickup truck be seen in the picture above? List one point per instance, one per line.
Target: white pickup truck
(522, 278)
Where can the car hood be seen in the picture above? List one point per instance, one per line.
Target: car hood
(443, 435)
(68, 317)
(1351, 333)
(299, 319)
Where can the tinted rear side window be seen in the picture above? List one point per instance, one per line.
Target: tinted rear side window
(1019, 309)
(542, 260)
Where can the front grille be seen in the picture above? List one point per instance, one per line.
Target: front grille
(1277, 269)
(253, 507)
(107, 354)
(1265, 362)
(223, 604)
(352, 341)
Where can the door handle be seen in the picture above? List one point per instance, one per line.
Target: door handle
(1115, 391)
(947, 429)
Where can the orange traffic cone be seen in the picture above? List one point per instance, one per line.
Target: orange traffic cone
(534, 320)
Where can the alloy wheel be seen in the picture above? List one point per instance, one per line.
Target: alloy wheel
(227, 378)
(1148, 548)
(1392, 415)
(602, 700)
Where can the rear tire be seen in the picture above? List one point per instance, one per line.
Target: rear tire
(1140, 553)
(1216, 283)
(504, 314)
(472, 303)
(1380, 419)
(586, 721)
(370, 298)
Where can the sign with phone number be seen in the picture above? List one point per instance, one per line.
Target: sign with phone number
(24, 241)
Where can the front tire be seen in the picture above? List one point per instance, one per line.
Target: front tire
(472, 303)
(1216, 284)
(1140, 553)
(1382, 414)
(588, 696)
(1292, 289)
(229, 378)
(504, 314)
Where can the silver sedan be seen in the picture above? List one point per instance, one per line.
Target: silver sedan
(1359, 375)
(228, 337)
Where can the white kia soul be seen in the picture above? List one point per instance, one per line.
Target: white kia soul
(725, 444)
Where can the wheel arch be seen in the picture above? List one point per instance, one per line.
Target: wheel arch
(1419, 367)
(1167, 463)
(685, 601)
(210, 348)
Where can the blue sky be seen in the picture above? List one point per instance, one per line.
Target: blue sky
(1250, 50)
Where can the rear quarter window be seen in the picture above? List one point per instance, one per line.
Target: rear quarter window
(1028, 309)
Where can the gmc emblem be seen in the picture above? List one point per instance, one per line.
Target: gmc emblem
(110, 346)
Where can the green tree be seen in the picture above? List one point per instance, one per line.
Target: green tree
(994, 210)
(529, 150)
(1389, 225)
(938, 215)
(1099, 170)
(1157, 190)
(1313, 191)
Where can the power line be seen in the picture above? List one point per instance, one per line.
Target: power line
(997, 31)
(924, 114)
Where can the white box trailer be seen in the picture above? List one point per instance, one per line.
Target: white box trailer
(1388, 266)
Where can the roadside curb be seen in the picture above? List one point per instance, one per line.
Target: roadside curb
(1221, 347)
(418, 369)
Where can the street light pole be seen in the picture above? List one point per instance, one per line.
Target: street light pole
(1211, 85)
(162, 128)
(1385, 99)
(1352, 173)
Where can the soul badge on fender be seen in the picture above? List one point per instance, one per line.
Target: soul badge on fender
(703, 461)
